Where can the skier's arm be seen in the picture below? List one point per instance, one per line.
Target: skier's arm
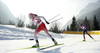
(44, 19)
(86, 27)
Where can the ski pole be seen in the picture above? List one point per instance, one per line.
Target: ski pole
(56, 20)
(54, 17)
(78, 31)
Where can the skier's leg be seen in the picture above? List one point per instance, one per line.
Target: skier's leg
(89, 35)
(35, 36)
(84, 35)
(46, 31)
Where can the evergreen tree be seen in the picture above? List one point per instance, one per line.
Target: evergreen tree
(87, 23)
(68, 28)
(55, 28)
(73, 25)
(20, 23)
(21, 20)
(0, 20)
(95, 24)
(33, 26)
(11, 23)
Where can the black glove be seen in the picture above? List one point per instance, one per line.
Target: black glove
(47, 22)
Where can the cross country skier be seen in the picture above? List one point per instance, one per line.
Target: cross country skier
(41, 26)
(84, 28)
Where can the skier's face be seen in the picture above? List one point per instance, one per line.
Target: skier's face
(81, 25)
(30, 16)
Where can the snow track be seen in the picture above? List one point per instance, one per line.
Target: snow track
(14, 38)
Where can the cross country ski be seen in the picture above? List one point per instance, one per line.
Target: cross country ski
(41, 47)
(51, 46)
(26, 48)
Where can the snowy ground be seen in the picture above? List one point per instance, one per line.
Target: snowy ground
(16, 38)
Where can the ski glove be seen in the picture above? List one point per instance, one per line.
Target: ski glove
(47, 22)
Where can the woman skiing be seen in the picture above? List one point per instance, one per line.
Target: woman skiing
(41, 26)
(84, 28)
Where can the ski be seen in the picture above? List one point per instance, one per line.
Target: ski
(82, 41)
(54, 17)
(36, 47)
(26, 48)
(50, 46)
(85, 41)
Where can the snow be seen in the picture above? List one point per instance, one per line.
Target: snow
(6, 15)
(12, 37)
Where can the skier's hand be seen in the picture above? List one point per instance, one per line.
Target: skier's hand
(47, 22)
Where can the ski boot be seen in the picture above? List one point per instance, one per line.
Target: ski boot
(36, 45)
(84, 40)
(55, 42)
(92, 38)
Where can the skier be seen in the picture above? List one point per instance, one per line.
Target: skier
(41, 26)
(84, 28)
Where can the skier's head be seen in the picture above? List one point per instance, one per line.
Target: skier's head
(81, 24)
(31, 15)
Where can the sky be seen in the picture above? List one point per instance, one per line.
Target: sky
(47, 8)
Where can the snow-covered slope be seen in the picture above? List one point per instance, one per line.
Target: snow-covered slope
(14, 38)
(8, 32)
